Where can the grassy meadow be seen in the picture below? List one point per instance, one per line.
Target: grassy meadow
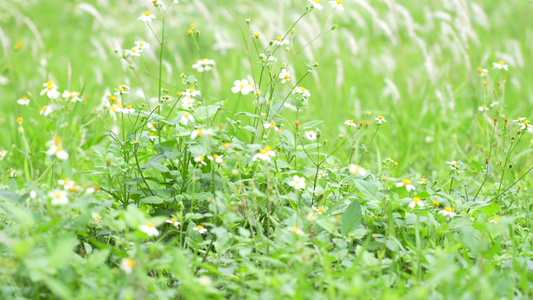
(260, 149)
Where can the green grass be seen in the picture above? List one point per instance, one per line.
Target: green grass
(413, 62)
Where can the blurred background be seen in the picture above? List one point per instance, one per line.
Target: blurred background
(415, 62)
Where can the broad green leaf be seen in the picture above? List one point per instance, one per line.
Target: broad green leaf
(205, 112)
(351, 218)
(152, 200)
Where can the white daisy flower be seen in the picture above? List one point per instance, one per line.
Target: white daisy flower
(483, 72)
(217, 158)
(50, 89)
(337, 4)
(127, 265)
(46, 110)
(526, 125)
(310, 135)
(59, 197)
(23, 101)
(302, 91)
(416, 202)
(357, 170)
(142, 45)
(2, 154)
(187, 119)
(72, 95)
(280, 41)
(201, 229)
(133, 52)
(447, 212)
(297, 182)
(147, 17)
(123, 89)
(56, 148)
(200, 160)
(264, 154)
(187, 103)
(152, 137)
(151, 126)
(203, 64)
(407, 183)
(284, 75)
(321, 173)
(173, 221)
(242, 86)
(201, 132)
(128, 109)
(495, 220)
(296, 230)
(350, 123)
(316, 4)
(191, 92)
(150, 229)
(501, 65)
(380, 119)
(319, 209)
(483, 108)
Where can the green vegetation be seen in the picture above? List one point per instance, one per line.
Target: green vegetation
(265, 149)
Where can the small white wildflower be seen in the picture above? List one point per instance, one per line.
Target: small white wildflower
(280, 41)
(483, 108)
(337, 5)
(284, 75)
(150, 229)
(416, 202)
(407, 183)
(297, 182)
(264, 154)
(380, 119)
(357, 170)
(200, 159)
(296, 230)
(187, 119)
(201, 229)
(350, 123)
(316, 4)
(447, 212)
(142, 45)
(319, 209)
(217, 158)
(59, 197)
(50, 89)
(203, 64)
(127, 265)
(23, 101)
(242, 86)
(501, 65)
(147, 17)
(173, 221)
(311, 135)
(133, 52)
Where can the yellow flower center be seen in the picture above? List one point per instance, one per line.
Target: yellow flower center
(317, 1)
(191, 91)
(133, 50)
(501, 62)
(320, 208)
(186, 115)
(141, 44)
(121, 89)
(339, 2)
(20, 120)
(406, 182)
(45, 108)
(49, 82)
(448, 209)
(273, 123)
(526, 123)
(242, 86)
(351, 121)
(215, 156)
(129, 107)
(200, 132)
(113, 98)
(59, 148)
(496, 218)
(200, 157)
(479, 69)
(147, 13)
(380, 117)
(173, 220)
(152, 134)
(436, 203)
(287, 76)
(278, 38)
(200, 227)
(150, 224)
(416, 199)
(57, 195)
(24, 98)
(50, 87)
(130, 263)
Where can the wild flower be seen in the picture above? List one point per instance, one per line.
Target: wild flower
(200, 160)
(201, 132)
(2, 154)
(297, 182)
(525, 125)
(191, 92)
(337, 4)
(320, 209)
(416, 202)
(96, 217)
(316, 4)
(350, 123)
(279, 41)
(59, 197)
(447, 212)
(173, 221)
(187, 119)
(147, 17)
(201, 229)
(122, 89)
(149, 228)
(483, 72)
(127, 265)
(152, 137)
(72, 95)
(302, 91)
(357, 170)
(501, 65)
(242, 86)
(55, 147)
(454, 165)
(423, 181)
(407, 184)
(50, 89)
(264, 154)
(310, 135)
(217, 158)
(321, 173)
(142, 45)
(46, 110)
(296, 230)
(151, 126)
(284, 75)
(133, 52)
(128, 110)
(380, 119)
(23, 101)
(187, 102)
(203, 65)
(483, 108)
(272, 125)
(495, 220)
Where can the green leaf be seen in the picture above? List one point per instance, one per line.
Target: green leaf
(492, 209)
(206, 112)
(476, 166)
(351, 218)
(366, 188)
(152, 200)
(9, 196)
(91, 142)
